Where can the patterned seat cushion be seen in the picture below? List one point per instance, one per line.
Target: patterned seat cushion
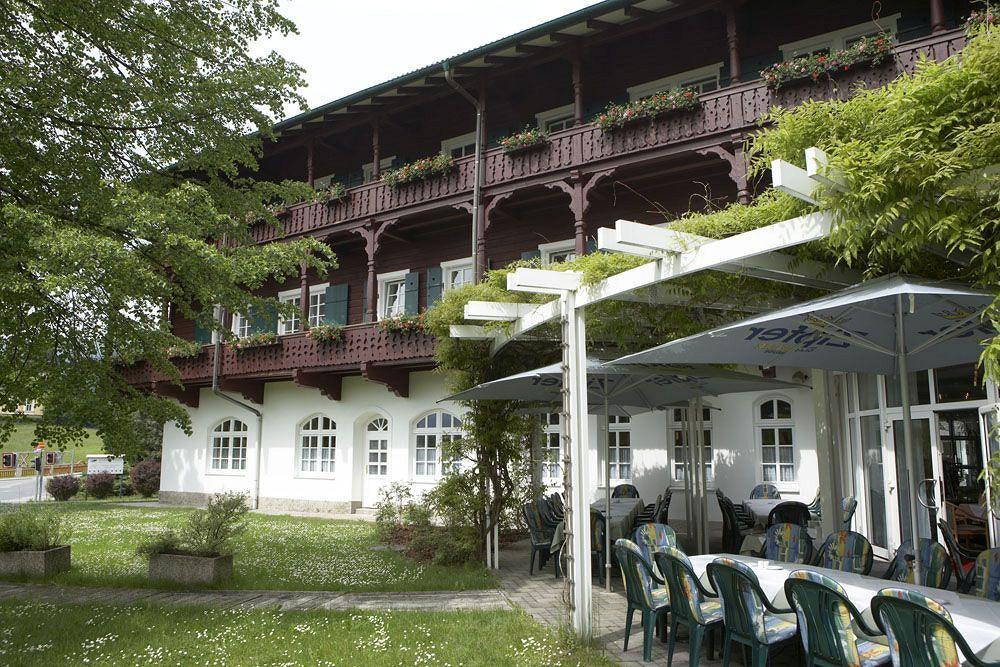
(711, 611)
(873, 654)
(661, 597)
(778, 627)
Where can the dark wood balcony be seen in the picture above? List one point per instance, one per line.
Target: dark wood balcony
(721, 116)
(364, 350)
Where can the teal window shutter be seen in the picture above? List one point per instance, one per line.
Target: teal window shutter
(530, 255)
(335, 307)
(267, 320)
(202, 335)
(435, 285)
(411, 294)
(591, 245)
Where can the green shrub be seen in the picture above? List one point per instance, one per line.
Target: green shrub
(31, 527)
(417, 515)
(167, 542)
(392, 503)
(209, 532)
(63, 487)
(100, 485)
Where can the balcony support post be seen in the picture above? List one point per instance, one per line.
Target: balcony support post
(372, 232)
(578, 89)
(490, 213)
(737, 166)
(733, 39)
(304, 296)
(310, 171)
(579, 186)
(937, 16)
(376, 150)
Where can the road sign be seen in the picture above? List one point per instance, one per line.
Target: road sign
(97, 463)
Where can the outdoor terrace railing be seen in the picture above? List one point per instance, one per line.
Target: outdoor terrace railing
(361, 344)
(722, 113)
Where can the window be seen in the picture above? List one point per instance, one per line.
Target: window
(620, 447)
(456, 273)
(551, 449)
(679, 438)
(775, 429)
(556, 119)
(317, 308)
(377, 433)
(703, 80)
(838, 39)
(391, 294)
(317, 305)
(460, 146)
(229, 446)
(432, 432)
(241, 325)
(560, 251)
(318, 446)
(292, 324)
(383, 165)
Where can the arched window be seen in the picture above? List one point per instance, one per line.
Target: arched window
(229, 446)
(776, 440)
(431, 432)
(620, 448)
(551, 448)
(318, 446)
(377, 438)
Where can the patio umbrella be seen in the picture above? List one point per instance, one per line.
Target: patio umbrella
(893, 326)
(624, 391)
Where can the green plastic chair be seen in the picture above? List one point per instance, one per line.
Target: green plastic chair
(848, 506)
(766, 491)
(540, 533)
(644, 591)
(920, 631)
(826, 623)
(625, 491)
(692, 606)
(846, 551)
(650, 538)
(935, 567)
(750, 618)
(788, 543)
(986, 583)
(597, 527)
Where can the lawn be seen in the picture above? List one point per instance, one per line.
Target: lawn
(276, 552)
(47, 634)
(23, 438)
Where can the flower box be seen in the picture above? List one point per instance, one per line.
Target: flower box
(190, 570)
(403, 324)
(336, 193)
(978, 19)
(617, 116)
(419, 170)
(528, 139)
(252, 341)
(326, 333)
(184, 350)
(35, 563)
(868, 51)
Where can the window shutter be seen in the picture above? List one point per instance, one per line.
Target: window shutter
(267, 320)
(531, 254)
(591, 245)
(202, 336)
(411, 295)
(335, 308)
(435, 285)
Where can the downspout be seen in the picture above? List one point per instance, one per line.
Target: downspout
(258, 445)
(477, 184)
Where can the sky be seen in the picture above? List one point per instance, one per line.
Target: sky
(346, 46)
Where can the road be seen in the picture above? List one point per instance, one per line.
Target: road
(18, 489)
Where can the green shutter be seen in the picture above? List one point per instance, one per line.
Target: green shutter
(202, 335)
(591, 245)
(530, 255)
(435, 285)
(335, 308)
(264, 320)
(411, 295)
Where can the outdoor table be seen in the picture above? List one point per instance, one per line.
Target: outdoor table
(622, 516)
(978, 619)
(760, 508)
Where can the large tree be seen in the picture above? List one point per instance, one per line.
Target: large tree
(129, 129)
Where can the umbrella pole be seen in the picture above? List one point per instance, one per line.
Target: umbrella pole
(607, 491)
(703, 475)
(904, 395)
(689, 480)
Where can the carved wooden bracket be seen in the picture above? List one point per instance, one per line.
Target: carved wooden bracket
(372, 232)
(463, 206)
(396, 379)
(189, 396)
(737, 162)
(491, 209)
(329, 385)
(252, 390)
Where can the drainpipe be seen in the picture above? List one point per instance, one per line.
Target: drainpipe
(216, 366)
(477, 185)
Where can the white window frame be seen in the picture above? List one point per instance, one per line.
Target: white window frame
(617, 427)
(552, 472)
(453, 265)
(440, 434)
(317, 290)
(675, 426)
(323, 182)
(641, 90)
(384, 280)
(776, 423)
(383, 164)
(461, 141)
(382, 467)
(558, 114)
(302, 432)
(241, 322)
(836, 40)
(547, 250)
(289, 296)
(229, 459)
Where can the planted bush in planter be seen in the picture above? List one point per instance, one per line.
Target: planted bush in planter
(184, 349)
(619, 115)
(335, 192)
(100, 485)
(262, 339)
(202, 551)
(527, 139)
(419, 170)
(62, 487)
(34, 542)
(867, 51)
(146, 477)
(326, 333)
(403, 324)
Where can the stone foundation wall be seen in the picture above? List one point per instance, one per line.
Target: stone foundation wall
(196, 499)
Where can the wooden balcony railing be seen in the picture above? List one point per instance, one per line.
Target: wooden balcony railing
(721, 114)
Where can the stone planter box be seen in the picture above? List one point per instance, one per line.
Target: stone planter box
(180, 569)
(34, 563)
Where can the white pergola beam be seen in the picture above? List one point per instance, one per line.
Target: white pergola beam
(792, 180)
(496, 311)
(818, 168)
(541, 281)
(469, 332)
(648, 237)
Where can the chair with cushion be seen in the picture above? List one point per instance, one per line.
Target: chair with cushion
(765, 491)
(691, 605)
(597, 527)
(935, 568)
(649, 511)
(986, 580)
(652, 537)
(625, 491)
(829, 623)
(787, 543)
(790, 511)
(644, 591)
(732, 532)
(749, 616)
(663, 513)
(963, 562)
(848, 506)
(846, 551)
(816, 506)
(743, 518)
(540, 533)
(920, 631)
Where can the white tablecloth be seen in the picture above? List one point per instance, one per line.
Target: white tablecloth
(622, 515)
(976, 618)
(760, 508)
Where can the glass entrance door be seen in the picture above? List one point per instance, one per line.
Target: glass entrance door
(927, 469)
(876, 485)
(990, 416)
(962, 462)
